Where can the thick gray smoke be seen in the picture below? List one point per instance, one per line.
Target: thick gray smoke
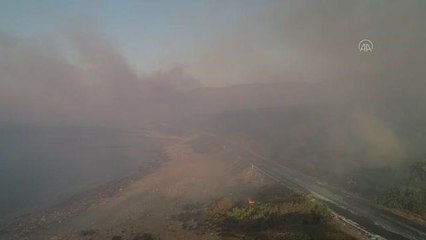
(80, 77)
(86, 82)
(313, 40)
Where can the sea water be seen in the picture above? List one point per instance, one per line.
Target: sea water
(43, 166)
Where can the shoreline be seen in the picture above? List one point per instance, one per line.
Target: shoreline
(146, 202)
(39, 219)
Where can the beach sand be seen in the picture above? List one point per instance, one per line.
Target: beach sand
(136, 205)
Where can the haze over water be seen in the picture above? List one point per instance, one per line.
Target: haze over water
(39, 167)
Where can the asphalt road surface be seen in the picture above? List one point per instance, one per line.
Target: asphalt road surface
(374, 221)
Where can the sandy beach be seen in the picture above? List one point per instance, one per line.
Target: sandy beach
(143, 202)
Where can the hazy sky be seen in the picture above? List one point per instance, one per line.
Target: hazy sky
(73, 57)
(223, 42)
(149, 32)
(152, 35)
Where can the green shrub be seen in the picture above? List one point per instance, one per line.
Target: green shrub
(404, 197)
(274, 215)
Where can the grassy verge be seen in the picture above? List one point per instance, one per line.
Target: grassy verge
(277, 214)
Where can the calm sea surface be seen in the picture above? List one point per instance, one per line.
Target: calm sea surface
(40, 167)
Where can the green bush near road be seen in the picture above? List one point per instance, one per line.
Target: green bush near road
(403, 197)
(278, 214)
(268, 215)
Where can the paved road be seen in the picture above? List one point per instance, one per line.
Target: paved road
(378, 223)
